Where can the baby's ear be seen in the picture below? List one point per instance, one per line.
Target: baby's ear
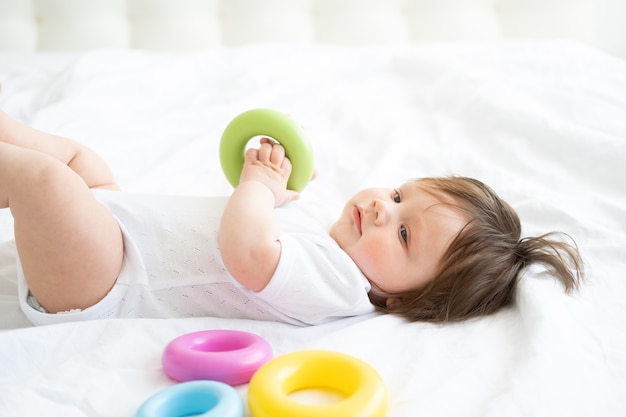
(391, 302)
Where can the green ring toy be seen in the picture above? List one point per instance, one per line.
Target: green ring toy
(273, 124)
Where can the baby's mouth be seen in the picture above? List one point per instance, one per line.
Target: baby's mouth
(356, 214)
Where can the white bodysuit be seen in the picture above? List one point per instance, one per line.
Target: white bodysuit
(173, 268)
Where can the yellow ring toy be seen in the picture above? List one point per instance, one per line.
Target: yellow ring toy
(364, 391)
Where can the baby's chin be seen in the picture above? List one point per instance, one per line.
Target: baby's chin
(333, 233)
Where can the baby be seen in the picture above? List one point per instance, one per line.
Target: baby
(434, 249)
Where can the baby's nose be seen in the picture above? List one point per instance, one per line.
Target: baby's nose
(381, 212)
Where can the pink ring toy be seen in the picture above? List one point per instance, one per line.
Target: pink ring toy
(228, 356)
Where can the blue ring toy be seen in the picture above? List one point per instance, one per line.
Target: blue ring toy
(197, 398)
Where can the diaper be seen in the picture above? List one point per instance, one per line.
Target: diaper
(32, 302)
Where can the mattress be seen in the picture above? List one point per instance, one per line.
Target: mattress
(543, 123)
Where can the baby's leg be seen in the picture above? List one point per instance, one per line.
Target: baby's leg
(81, 159)
(70, 246)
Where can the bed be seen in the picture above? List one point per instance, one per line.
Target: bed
(542, 119)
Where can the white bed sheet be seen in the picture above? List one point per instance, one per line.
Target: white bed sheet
(543, 123)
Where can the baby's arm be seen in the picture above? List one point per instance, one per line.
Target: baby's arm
(249, 231)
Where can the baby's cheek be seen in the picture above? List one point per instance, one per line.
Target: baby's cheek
(376, 261)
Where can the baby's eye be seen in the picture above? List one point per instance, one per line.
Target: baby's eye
(396, 197)
(404, 234)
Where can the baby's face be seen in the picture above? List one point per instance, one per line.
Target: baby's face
(397, 237)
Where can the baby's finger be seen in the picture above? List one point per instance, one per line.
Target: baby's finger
(278, 155)
(285, 166)
(251, 155)
(291, 195)
(267, 140)
(265, 152)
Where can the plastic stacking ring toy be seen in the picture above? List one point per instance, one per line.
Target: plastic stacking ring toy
(273, 124)
(228, 356)
(364, 391)
(197, 398)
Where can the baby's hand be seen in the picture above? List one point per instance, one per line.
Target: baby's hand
(270, 166)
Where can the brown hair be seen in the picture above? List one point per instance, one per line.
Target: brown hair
(479, 271)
